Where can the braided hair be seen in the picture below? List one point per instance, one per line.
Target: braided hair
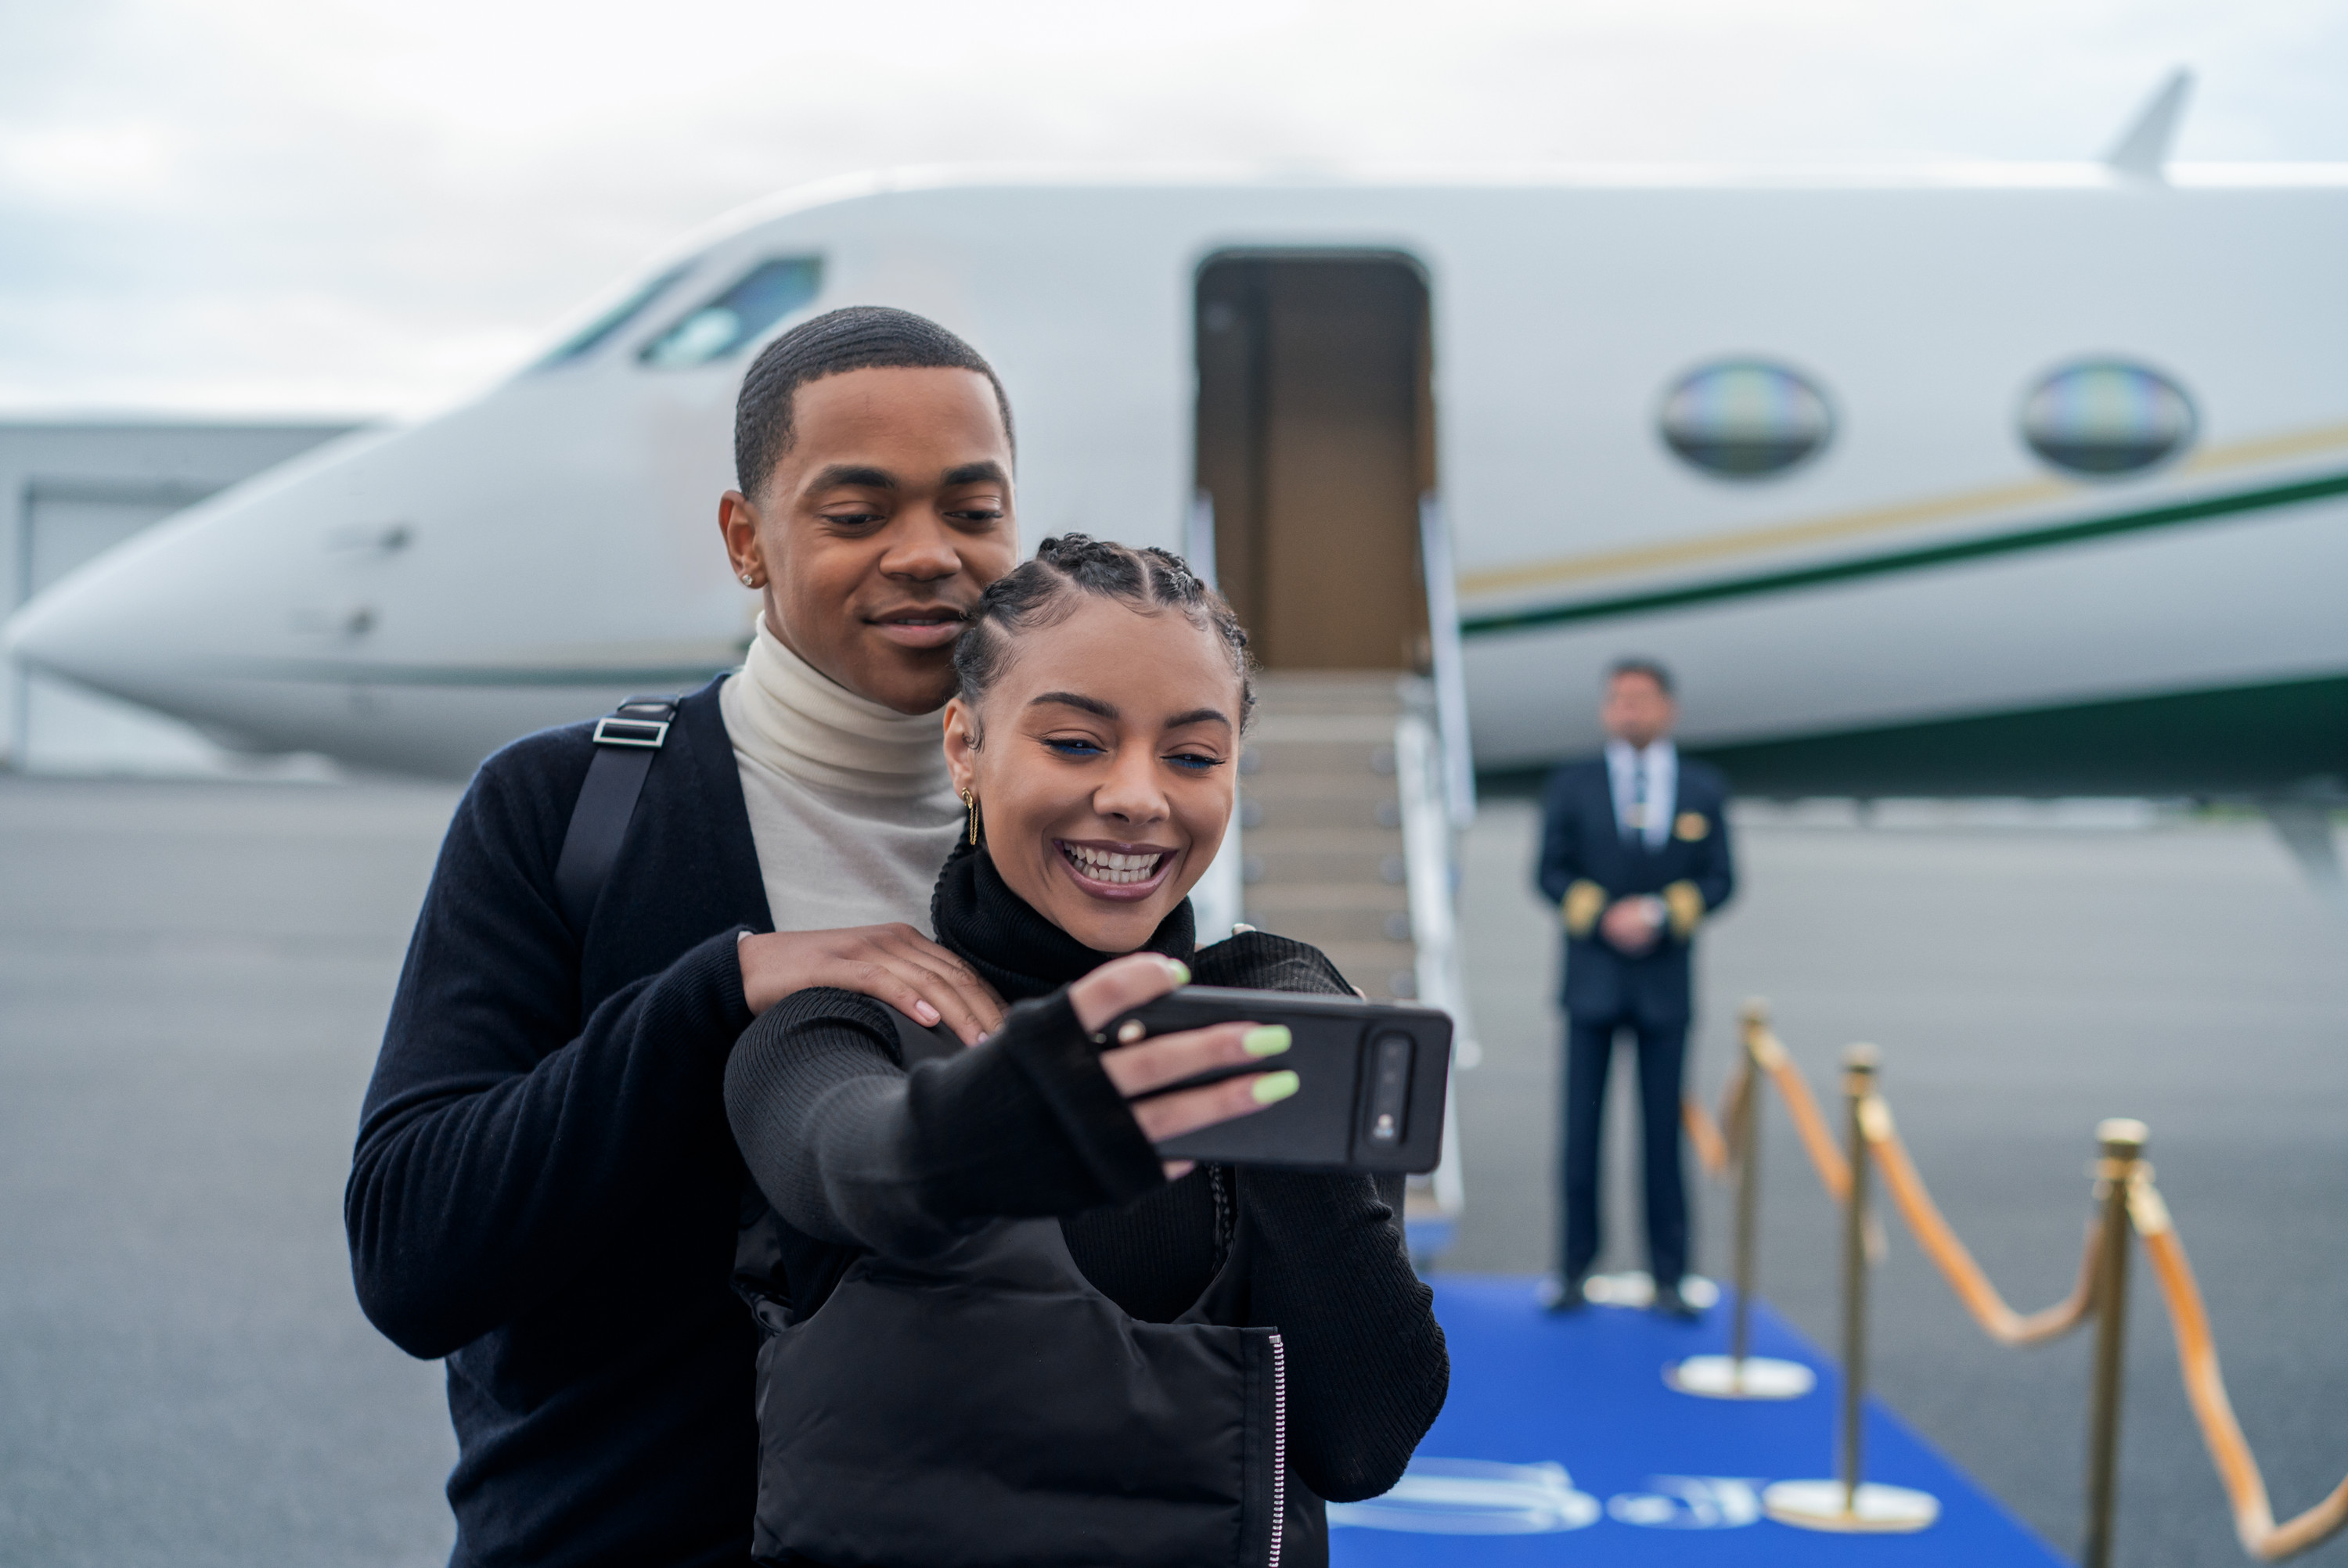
(1045, 590)
(856, 337)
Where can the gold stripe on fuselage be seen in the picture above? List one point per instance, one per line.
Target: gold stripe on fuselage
(1873, 521)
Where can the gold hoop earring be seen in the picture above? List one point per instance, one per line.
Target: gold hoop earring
(971, 801)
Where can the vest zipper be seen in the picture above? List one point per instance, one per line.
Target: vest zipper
(1279, 1446)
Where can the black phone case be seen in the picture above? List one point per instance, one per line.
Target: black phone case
(1372, 1078)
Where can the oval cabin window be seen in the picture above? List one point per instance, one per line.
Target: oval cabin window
(2107, 416)
(1745, 419)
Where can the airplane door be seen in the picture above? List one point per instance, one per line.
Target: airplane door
(1316, 441)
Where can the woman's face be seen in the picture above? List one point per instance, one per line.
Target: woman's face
(1105, 760)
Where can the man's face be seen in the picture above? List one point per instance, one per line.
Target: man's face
(881, 526)
(1637, 710)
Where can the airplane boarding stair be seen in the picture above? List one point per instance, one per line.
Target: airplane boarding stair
(1348, 845)
(1323, 825)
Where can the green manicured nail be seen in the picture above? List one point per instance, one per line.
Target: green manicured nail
(1270, 1040)
(1274, 1086)
(1181, 971)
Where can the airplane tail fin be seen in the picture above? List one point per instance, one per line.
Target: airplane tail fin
(2142, 152)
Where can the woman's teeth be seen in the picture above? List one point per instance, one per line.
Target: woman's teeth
(1106, 865)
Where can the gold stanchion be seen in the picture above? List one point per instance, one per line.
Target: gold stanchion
(2123, 1145)
(1846, 1503)
(1740, 1375)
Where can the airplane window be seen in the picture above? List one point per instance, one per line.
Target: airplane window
(1744, 419)
(2107, 416)
(591, 337)
(761, 297)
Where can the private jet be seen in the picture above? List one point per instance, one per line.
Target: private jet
(1962, 480)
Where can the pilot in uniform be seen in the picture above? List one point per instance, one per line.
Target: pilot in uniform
(1634, 855)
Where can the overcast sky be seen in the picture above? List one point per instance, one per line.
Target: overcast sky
(370, 206)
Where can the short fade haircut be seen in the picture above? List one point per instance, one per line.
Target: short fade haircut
(857, 337)
(1637, 664)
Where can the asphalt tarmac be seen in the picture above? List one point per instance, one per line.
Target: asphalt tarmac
(194, 979)
(2022, 984)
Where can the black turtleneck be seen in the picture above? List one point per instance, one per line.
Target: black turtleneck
(856, 1155)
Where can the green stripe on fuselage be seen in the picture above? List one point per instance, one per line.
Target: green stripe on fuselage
(2208, 508)
(2232, 741)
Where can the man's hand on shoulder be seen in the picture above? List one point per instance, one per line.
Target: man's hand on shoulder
(894, 964)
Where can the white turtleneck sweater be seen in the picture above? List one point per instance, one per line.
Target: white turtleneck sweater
(850, 806)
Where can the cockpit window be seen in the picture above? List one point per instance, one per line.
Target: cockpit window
(1744, 419)
(591, 336)
(2102, 418)
(756, 300)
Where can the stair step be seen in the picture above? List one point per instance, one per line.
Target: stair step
(1327, 691)
(1316, 812)
(1323, 824)
(1270, 785)
(1363, 866)
(1288, 729)
(1353, 924)
(1282, 900)
(1368, 758)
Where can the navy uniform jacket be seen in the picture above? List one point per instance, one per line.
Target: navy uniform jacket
(1586, 865)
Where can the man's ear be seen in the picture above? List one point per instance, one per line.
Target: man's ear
(737, 521)
(962, 745)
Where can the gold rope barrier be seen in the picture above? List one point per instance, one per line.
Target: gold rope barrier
(1972, 1287)
(2205, 1387)
(1833, 1169)
(2147, 1214)
(1705, 1134)
(1712, 1146)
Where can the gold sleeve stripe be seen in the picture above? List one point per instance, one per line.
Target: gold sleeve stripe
(1584, 902)
(1686, 906)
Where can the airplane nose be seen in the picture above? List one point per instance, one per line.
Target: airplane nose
(412, 600)
(74, 628)
(118, 624)
(173, 618)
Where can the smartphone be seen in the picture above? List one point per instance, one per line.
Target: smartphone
(1371, 1080)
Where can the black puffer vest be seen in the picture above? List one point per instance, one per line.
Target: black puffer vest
(989, 1407)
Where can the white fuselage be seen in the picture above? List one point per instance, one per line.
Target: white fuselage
(414, 598)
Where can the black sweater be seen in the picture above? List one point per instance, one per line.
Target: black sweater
(855, 1155)
(545, 1190)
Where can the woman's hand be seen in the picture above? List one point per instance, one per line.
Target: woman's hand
(894, 964)
(1126, 983)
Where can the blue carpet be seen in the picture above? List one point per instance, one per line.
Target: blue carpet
(1659, 1478)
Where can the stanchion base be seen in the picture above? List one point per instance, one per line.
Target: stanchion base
(1876, 1511)
(1755, 1377)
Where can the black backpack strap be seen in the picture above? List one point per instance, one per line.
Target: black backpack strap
(626, 741)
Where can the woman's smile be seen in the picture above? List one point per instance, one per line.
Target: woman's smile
(1107, 869)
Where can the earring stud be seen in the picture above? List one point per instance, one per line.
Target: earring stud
(747, 582)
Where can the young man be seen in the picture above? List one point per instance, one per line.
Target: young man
(1634, 855)
(545, 1190)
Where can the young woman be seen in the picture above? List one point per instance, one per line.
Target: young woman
(1000, 1329)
